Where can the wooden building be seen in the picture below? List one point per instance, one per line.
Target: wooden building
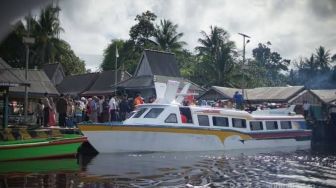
(155, 66)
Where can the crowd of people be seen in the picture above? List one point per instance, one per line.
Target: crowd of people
(69, 111)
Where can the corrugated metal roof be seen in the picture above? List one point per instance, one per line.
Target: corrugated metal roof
(77, 84)
(225, 91)
(271, 94)
(104, 82)
(326, 95)
(8, 77)
(39, 83)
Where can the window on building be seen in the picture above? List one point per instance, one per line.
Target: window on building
(256, 125)
(172, 118)
(139, 112)
(203, 120)
(285, 124)
(154, 113)
(238, 123)
(220, 121)
(271, 125)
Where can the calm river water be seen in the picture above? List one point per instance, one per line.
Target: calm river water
(257, 168)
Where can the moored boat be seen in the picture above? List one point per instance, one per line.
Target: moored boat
(160, 127)
(38, 148)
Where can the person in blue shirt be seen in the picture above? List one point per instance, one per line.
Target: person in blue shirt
(238, 99)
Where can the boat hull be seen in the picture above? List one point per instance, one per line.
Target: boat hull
(40, 148)
(110, 139)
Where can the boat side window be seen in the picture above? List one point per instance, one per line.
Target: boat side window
(139, 112)
(256, 125)
(172, 118)
(203, 120)
(220, 121)
(238, 123)
(299, 125)
(186, 111)
(154, 113)
(285, 124)
(271, 125)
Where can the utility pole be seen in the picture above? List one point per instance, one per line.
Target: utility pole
(27, 40)
(244, 44)
(116, 71)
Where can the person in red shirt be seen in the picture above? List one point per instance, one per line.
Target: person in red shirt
(183, 118)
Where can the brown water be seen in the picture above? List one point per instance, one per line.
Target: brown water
(257, 168)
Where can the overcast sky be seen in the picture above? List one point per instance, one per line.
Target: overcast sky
(295, 28)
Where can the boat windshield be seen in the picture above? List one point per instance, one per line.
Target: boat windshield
(139, 112)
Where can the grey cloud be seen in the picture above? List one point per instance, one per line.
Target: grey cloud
(323, 8)
(290, 25)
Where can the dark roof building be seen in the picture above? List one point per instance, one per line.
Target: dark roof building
(157, 63)
(256, 95)
(76, 84)
(54, 72)
(103, 84)
(156, 66)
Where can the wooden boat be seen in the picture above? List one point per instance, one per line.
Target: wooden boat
(61, 145)
(39, 166)
(158, 127)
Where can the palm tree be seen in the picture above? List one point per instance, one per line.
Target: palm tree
(167, 38)
(217, 55)
(46, 30)
(322, 58)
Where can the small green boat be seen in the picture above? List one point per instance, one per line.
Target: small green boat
(37, 148)
(39, 166)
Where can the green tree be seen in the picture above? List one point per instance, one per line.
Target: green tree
(323, 58)
(128, 56)
(270, 63)
(217, 57)
(167, 38)
(48, 47)
(143, 30)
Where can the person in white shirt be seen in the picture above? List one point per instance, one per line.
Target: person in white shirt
(113, 108)
(306, 107)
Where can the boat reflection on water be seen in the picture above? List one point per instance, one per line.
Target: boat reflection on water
(254, 168)
(39, 173)
(236, 168)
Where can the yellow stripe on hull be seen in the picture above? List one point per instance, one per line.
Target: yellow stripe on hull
(221, 134)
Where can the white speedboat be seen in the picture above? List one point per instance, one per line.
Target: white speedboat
(158, 127)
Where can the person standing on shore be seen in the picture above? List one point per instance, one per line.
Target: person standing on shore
(124, 108)
(61, 107)
(113, 108)
(52, 112)
(46, 108)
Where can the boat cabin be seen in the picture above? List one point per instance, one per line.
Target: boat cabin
(213, 118)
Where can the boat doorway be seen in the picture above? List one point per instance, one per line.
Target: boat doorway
(187, 113)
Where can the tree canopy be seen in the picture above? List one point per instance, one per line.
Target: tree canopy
(48, 47)
(216, 61)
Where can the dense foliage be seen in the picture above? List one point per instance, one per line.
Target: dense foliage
(48, 47)
(217, 61)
